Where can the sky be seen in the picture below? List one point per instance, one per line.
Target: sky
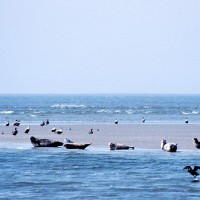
(100, 47)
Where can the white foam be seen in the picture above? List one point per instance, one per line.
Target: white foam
(68, 106)
(190, 113)
(32, 115)
(104, 111)
(117, 111)
(195, 112)
(7, 112)
(129, 112)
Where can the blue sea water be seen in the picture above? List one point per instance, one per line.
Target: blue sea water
(62, 109)
(57, 173)
(97, 173)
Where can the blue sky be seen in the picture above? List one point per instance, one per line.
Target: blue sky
(107, 46)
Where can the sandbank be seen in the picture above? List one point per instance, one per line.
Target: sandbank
(141, 136)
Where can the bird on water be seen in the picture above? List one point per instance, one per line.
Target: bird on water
(193, 171)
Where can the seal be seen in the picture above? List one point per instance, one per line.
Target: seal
(114, 146)
(170, 147)
(36, 142)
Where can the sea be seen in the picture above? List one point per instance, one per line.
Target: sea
(83, 109)
(97, 173)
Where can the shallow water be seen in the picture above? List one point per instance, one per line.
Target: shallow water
(57, 173)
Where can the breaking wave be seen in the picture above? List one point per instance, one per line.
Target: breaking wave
(129, 112)
(32, 115)
(117, 111)
(195, 112)
(68, 106)
(104, 111)
(7, 112)
(190, 113)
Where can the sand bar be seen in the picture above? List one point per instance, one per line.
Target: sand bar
(142, 136)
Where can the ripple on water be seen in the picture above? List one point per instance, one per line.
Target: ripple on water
(141, 174)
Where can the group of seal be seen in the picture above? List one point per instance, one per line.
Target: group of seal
(36, 142)
(68, 144)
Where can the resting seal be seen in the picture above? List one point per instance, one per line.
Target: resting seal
(114, 146)
(170, 147)
(44, 142)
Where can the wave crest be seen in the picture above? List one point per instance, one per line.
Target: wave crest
(68, 106)
(7, 112)
(104, 111)
(129, 112)
(190, 113)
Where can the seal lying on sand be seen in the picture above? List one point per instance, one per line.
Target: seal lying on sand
(76, 145)
(44, 142)
(114, 146)
(196, 143)
(170, 147)
(68, 144)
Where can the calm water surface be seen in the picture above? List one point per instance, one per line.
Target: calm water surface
(57, 173)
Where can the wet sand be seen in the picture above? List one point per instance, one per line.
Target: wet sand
(141, 136)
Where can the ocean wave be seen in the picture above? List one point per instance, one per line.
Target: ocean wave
(148, 112)
(7, 112)
(185, 113)
(117, 111)
(147, 107)
(104, 111)
(129, 112)
(39, 112)
(32, 115)
(67, 106)
(190, 113)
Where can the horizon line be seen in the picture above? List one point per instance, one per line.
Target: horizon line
(139, 94)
